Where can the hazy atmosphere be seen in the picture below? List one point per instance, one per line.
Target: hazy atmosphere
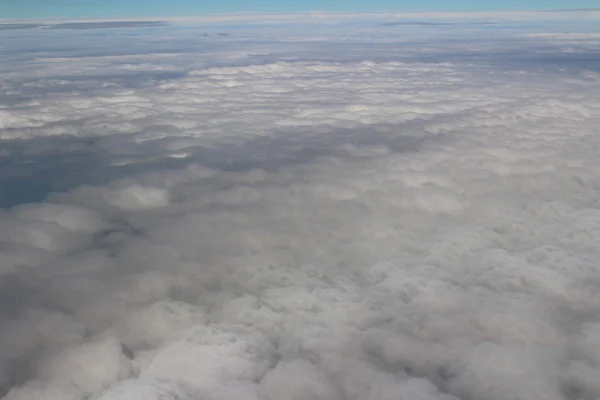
(317, 206)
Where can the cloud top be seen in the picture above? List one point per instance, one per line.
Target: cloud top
(316, 216)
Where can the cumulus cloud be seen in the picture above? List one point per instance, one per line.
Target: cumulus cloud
(294, 221)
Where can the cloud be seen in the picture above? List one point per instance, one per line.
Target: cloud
(84, 25)
(300, 221)
(137, 197)
(140, 389)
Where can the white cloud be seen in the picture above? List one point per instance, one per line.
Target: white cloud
(138, 197)
(91, 367)
(207, 357)
(337, 226)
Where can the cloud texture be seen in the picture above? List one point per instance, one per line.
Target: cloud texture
(330, 227)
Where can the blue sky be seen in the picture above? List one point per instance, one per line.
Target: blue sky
(138, 8)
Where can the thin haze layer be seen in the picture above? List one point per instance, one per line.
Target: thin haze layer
(337, 211)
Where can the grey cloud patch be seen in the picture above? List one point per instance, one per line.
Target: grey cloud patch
(345, 228)
(83, 25)
(34, 168)
(14, 26)
(90, 85)
(106, 25)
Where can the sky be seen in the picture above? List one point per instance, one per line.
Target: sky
(138, 8)
(348, 207)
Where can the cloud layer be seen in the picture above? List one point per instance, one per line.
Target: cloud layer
(330, 227)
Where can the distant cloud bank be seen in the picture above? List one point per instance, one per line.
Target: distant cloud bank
(84, 25)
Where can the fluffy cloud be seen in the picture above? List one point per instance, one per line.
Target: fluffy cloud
(332, 227)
